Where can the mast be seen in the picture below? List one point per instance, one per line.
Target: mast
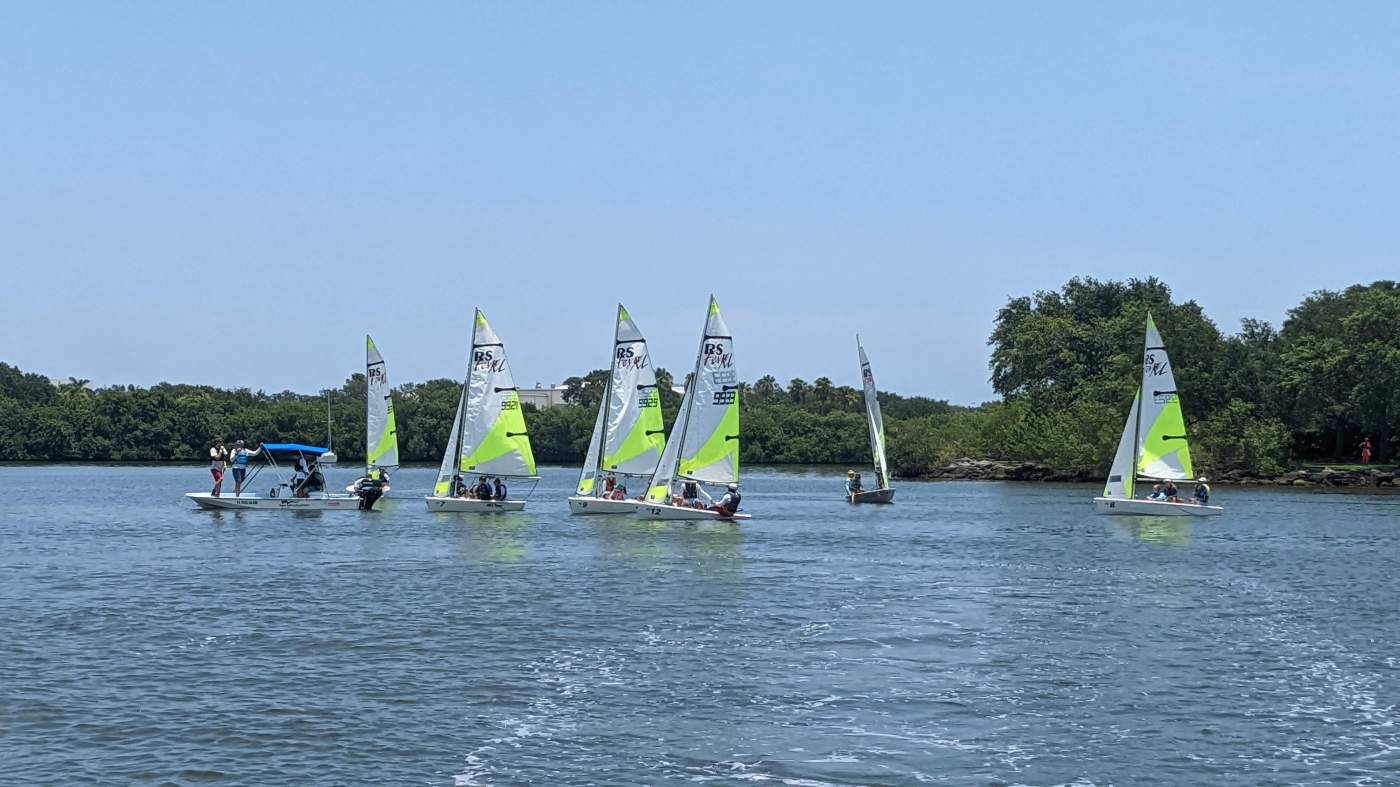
(607, 401)
(462, 410)
(694, 379)
(1137, 422)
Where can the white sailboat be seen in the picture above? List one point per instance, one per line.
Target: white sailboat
(488, 436)
(381, 432)
(1153, 446)
(883, 492)
(704, 444)
(628, 435)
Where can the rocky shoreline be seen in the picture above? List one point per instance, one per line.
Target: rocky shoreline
(967, 469)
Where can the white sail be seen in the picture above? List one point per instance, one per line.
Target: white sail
(494, 439)
(635, 436)
(588, 479)
(450, 455)
(873, 419)
(381, 434)
(710, 437)
(1163, 451)
(1122, 477)
(659, 490)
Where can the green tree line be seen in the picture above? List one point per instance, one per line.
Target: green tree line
(1064, 364)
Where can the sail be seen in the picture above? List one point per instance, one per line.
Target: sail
(710, 439)
(873, 418)
(1163, 451)
(381, 436)
(449, 455)
(635, 436)
(659, 490)
(494, 438)
(1121, 476)
(589, 477)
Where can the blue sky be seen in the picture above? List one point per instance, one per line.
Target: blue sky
(235, 193)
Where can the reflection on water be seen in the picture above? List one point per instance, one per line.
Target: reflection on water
(498, 538)
(1166, 530)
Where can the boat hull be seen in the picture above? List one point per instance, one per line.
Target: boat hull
(873, 496)
(458, 505)
(670, 512)
(1113, 506)
(257, 503)
(582, 505)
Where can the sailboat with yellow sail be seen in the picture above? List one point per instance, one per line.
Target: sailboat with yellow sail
(1154, 446)
(489, 439)
(704, 444)
(628, 436)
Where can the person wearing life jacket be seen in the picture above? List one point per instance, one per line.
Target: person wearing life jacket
(729, 504)
(852, 483)
(238, 458)
(500, 491)
(483, 489)
(690, 494)
(1202, 492)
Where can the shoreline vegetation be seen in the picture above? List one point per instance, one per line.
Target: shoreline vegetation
(1287, 406)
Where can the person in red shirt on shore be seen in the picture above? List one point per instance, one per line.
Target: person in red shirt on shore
(1366, 451)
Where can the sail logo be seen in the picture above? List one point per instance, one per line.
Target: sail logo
(375, 373)
(486, 361)
(627, 358)
(716, 354)
(649, 399)
(866, 375)
(1152, 366)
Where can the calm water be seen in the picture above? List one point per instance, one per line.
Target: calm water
(975, 633)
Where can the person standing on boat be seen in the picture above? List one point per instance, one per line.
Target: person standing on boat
(218, 458)
(1202, 492)
(729, 504)
(1366, 451)
(238, 458)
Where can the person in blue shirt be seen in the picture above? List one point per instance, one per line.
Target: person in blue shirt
(239, 459)
(1157, 493)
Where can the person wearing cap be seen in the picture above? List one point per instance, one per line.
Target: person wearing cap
(218, 458)
(729, 504)
(1202, 492)
(238, 458)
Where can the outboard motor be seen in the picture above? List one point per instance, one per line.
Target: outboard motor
(369, 490)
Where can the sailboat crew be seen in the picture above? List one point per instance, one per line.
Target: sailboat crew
(1201, 494)
(729, 504)
(852, 483)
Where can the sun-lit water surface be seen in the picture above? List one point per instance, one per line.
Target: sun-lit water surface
(973, 633)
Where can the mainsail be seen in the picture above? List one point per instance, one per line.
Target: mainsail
(710, 434)
(1153, 444)
(628, 436)
(1164, 452)
(873, 419)
(490, 436)
(381, 435)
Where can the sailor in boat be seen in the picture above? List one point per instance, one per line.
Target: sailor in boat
(218, 457)
(729, 504)
(609, 484)
(690, 495)
(619, 492)
(483, 489)
(1201, 494)
(499, 493)
(459, 487)
(239, 459)
(1157, 493)
(1173, 494)
(852, 483)
(879, 480)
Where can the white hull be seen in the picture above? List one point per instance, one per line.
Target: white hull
(582, 505)
(1120, 507)
(664, 511)
(229, 502)
(885, 495)
(472, 506)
